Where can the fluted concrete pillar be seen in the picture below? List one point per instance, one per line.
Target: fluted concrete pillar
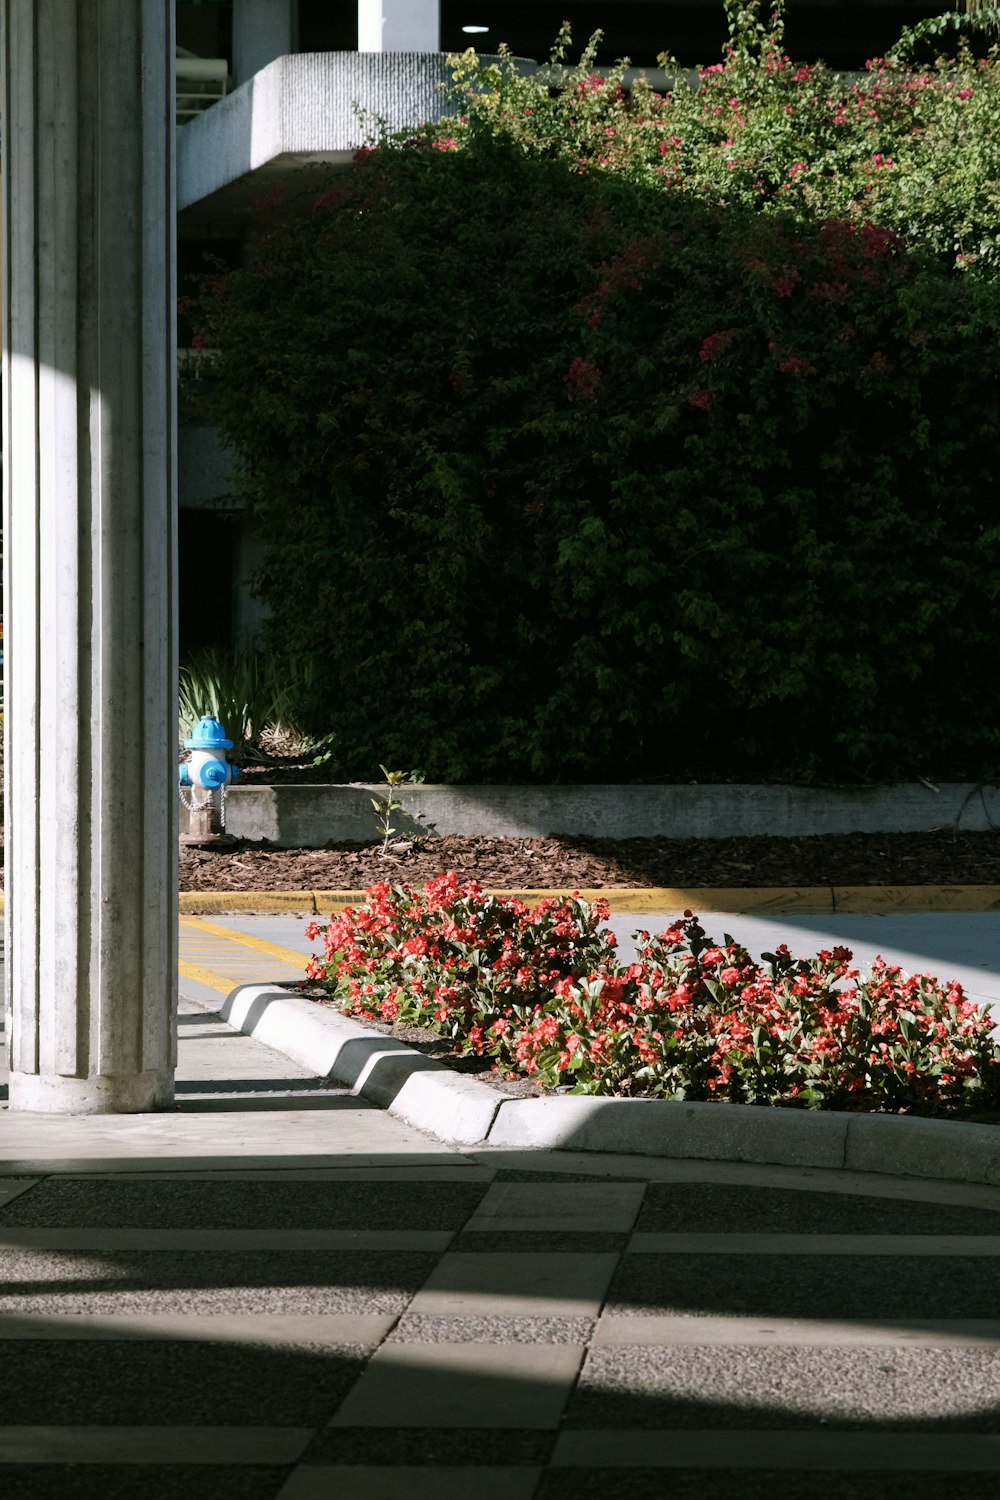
(399, 25)
(89, 553)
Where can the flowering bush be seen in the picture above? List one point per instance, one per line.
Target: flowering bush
(450, 955)
(541, 992)
(676, 417)
(762, 132)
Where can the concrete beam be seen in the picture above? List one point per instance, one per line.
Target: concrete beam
(301, 111)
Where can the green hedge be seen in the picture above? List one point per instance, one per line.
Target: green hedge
(564, 477)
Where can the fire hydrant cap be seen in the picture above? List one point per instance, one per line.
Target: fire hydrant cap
(214, 773)
(208, 734)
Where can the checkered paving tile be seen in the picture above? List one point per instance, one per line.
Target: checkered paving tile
(485, 1328)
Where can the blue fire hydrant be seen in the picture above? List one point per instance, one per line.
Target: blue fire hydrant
(208, 766)
(210, 771)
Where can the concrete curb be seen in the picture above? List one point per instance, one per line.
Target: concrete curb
(760, 900)
(430, 1097)
(385, 1071)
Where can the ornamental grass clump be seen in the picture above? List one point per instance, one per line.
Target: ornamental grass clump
(539, 991)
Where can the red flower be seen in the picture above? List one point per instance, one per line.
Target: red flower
(716, 343)
(583, 378)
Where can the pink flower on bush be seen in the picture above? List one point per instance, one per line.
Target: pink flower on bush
(716, 343)
(583, 378)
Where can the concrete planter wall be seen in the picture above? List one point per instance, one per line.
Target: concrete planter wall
(310, 816)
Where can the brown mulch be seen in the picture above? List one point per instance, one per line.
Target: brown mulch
(938, 858)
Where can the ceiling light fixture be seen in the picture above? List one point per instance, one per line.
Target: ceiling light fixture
(475, 28)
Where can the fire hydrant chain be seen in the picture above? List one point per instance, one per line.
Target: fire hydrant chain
(190, 803)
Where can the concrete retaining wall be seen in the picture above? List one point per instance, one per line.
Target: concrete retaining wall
(310, 816)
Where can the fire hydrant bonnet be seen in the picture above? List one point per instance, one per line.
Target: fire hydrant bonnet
(208, 734)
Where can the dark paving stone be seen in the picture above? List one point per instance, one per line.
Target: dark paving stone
(173, 1383)
(759, 1484)
(519, 1174)
(788, 1388)
(486, 1446)
(839, 1287)
(244, 1205)
(717, 1208)
(131, 1481)
(301, 1281)
(562, 1241)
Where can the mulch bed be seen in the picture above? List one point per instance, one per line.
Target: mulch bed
(938, 858)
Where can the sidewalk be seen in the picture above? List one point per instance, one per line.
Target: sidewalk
(280, 1291)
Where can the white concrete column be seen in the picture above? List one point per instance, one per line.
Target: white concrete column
(89, 553)
(399, 25)
(262, 31)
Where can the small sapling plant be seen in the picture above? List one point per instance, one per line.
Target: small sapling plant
(386, 806)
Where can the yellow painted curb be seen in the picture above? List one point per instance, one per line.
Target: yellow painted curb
(858, 899)
(650, 898)
(888, 898)
(762, 900)
(201, 903)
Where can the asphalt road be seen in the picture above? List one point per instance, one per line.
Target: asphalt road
(964, 946)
